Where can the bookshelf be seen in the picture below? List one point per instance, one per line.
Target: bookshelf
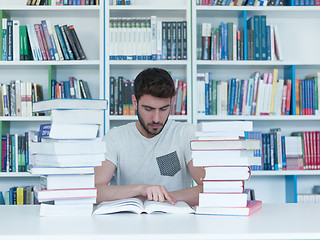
(299, 60)
(88, 22)
(179, 10)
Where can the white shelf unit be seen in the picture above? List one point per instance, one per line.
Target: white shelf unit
(179, 10)
(298, 27)
(88, 22)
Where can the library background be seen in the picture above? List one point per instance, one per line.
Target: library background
(231, 60)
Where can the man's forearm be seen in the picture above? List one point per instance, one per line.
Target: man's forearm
(188, 195)
(112, 192)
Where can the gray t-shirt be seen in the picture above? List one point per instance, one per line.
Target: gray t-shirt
(161, 160)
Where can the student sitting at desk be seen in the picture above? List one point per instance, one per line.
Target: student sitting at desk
(151, 158)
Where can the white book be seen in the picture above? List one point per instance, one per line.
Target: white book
(201, 93)
(159, 40)
(223, 186)
(278, 47)
(249, 96)
(243, 144)
(59, 170)
(75, 201)
(273, 53)
(135, 205)
(242, 161)
(222, 199)
(66, 210)
(54, 41)
(224, 97)
(66, 147)
(74, 116)
(44, 195)
(74, 160)
(69, 131)
(154, 37)
(23, 90)
(28, 99)
(36, 42)
(216, 134)
(223, 154)
(63, 103)
(219, 112)
(16, 40)
(111, 39)
(67, 181)
(260, 97)
(225, 126)
(278, 97)
(226, 173)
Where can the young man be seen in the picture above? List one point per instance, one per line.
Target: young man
(150, 159)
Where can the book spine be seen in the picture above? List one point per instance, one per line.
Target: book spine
(73, 49)
(10, 40)
(77, 42)
(62, 42)
(64, 35)
(48, 39)
(40, 41)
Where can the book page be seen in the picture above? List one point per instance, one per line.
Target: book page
(123, 205)
(179, 207)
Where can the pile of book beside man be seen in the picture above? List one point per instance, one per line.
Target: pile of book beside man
(221, 149)
(69, 149)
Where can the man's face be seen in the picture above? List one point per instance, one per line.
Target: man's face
(153, 113)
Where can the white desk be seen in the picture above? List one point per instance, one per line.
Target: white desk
(273, 221)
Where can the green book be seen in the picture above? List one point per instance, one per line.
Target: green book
(3, 33)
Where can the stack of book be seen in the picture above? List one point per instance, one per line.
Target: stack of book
(220, 148)
(65, 157)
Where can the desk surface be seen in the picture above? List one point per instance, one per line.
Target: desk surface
(273, 221)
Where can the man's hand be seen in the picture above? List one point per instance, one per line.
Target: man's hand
(157, 193)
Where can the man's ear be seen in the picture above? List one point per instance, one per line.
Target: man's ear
(134, 102)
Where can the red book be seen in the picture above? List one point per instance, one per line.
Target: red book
(252, 206)
(318, 149)
(288, 99)
(184, 99)
(41, 45)
(305, 150)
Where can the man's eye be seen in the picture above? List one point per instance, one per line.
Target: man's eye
(163, 109)
(148, 109)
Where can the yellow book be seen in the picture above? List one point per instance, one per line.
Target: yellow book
(297, 96)
(19, 196)
(273, 92)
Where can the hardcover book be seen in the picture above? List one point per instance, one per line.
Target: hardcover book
(135, 205)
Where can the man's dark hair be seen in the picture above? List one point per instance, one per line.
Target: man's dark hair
(154, 81)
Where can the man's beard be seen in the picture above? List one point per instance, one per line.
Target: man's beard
(145, 126)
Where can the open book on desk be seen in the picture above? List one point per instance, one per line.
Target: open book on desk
(136, 205)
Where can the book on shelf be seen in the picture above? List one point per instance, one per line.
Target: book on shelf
(47, 105)
(47, 170)
(241, 144)
(67, 181)
(68, 131)
(44, 195)
(136, 205)
(252, 207)
(227, 173)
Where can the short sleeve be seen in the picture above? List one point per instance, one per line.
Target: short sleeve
(188, 132)
(112, 150)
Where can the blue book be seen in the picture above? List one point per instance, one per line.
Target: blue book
(232, 95)
(12, 195)
(206, 91)
(253, 23)
(164, 40)
(62, 42)
(66, 85)
(48, 39)
(210, 92)
(53, 88)
(268, 148)
(268, 42)
(284, 159)
(263, 36)
(2, 202)
(224, 41)
(241, 96)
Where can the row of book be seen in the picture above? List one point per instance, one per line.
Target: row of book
(226, 159)
(73, 88)
(61, 2)
(243, 2)
(121, 90)
(15, 151)
(120, 2)
(16, 98)
(313, 197)
(226, 42)
(22, 195)
(261, 94)
(147, 39)
(39, 42)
